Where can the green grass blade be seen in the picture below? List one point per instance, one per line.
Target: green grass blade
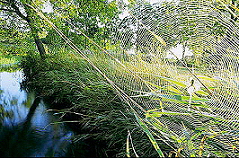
(127, 146)
(151, 138)
(159, 114)
(207, 78)
(173, 81)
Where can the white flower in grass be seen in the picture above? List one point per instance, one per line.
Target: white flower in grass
(191, 90)
(193, 86)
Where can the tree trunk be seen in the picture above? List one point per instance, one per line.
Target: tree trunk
(30, 20)
(40, 47)
(232, 16)
(183, 53)
(34, 31)
(37, 40)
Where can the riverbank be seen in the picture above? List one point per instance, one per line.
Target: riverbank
(87, 102)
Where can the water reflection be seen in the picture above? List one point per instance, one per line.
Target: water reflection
(25, 125)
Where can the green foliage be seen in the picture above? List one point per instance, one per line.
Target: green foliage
(9, 63)
(12, 40)
(82, 93)
(94, 18)
(151, 138)
(171, 106)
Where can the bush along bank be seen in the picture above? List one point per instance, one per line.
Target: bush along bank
(75, 90)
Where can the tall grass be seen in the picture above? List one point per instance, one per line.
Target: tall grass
(176, 121)
(81, 94)
(192, 123)
(189, 114)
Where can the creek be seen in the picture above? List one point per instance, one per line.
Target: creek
(27, 127)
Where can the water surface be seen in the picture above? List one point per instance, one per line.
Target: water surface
(27, 129)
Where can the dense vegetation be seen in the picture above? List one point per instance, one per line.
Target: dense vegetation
(133, 104)
(81, 94)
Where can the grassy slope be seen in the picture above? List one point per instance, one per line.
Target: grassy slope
(76, 90)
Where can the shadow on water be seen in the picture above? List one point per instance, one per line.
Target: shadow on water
(26, 128)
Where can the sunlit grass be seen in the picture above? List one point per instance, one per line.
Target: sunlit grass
(161, 89)
(9, 63)
(83, 93)
(7, 60)
(169, 85)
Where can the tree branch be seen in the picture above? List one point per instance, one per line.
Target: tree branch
(8, 10)
(3, 2)
(12, 4)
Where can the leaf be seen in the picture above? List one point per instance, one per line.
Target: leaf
(151, 115)
(172, 89)
(202, 92)
(174, 100)
(173, 81)
(132, 1)
(200, 105)
(160, 39)
(127, 146)
(158, 124)
(196, 99)
(151, 110)
(169, 88)
(159, 114)
(152, 84)
(195, 136)
(207, 78)
(151, 138)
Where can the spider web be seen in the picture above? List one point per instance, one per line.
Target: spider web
(205, 88)
(197, 25)
(187, 100)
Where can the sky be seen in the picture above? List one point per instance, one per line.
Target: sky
(47, 7)
(178, 51)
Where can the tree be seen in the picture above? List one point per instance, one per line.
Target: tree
(23, 10)
(94, 18)
(12, 40)
(145, 23)
(208, 27)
